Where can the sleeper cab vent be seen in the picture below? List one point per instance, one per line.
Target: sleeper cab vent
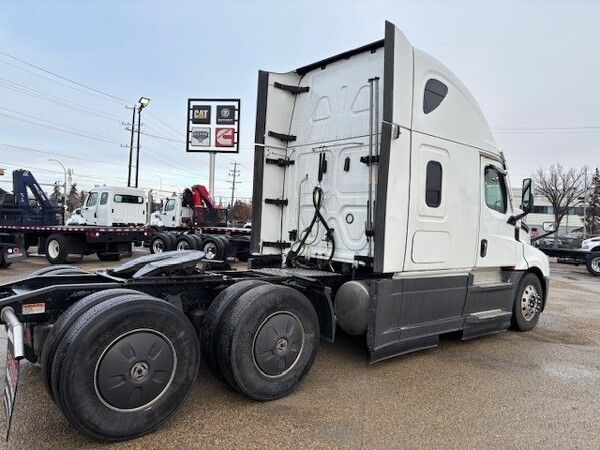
(435, 92)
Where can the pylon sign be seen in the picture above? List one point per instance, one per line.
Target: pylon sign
(213, 125)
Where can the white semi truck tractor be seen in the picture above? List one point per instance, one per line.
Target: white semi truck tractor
(380, 204)
(379, 163)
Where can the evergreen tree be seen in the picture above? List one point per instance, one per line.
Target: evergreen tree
(73, 201)
(56, 196)
(592, 219)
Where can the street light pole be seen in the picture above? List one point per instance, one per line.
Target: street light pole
(64, 202)
(131, 148)
(143, 103)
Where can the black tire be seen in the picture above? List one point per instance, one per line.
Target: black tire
(172, 239)
(198, 240)
(592, 263)
(64, 323)
(48, 269)
(211, 324)
(247, 344)
(528, 303)
(57, 248)
(213, 248)
(160, 243)
(185, 242)
(66, 271)
(3, 263)
(162, 357)
(108, 256)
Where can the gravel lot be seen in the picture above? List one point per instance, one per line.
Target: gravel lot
(509, 390)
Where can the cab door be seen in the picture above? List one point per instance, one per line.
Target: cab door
(102, 213)
(497, 240)
(89, 211)
(169, 213)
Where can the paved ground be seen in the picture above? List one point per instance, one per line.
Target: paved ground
(512, 390)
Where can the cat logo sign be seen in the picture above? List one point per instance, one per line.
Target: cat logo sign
(224, 137)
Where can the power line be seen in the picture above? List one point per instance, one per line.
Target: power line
(166, 124)
(155, 124)
(58, 129)
(55, 124)
(58, 82)
(56, 100)
(64, 78)
(63, 155)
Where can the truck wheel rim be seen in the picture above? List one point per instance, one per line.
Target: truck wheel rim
(183, 245)
(595, 265)
(278, 344)
(210, 250)
(53, 249)
(530, 302)
(158, 246)
(135, 370)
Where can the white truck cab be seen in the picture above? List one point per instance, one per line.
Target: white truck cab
(173, 214)
(380, 161)
(115, 206)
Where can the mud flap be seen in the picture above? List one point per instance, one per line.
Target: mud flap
(14, 352)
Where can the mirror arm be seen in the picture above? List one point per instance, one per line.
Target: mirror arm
(512, 220)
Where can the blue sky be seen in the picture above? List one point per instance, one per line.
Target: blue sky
(530, 65)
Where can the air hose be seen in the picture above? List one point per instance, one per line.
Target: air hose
(295, 253)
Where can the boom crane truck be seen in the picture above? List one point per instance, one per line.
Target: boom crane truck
(380, 205)
(193, 221)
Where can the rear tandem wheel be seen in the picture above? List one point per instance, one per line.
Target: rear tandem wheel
(125, 366)
(268, 341)
(64, 323)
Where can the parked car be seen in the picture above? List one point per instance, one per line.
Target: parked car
(591, 244)
(76, 218)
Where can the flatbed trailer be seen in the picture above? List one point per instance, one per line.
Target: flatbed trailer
(591, 259)
(67, 244)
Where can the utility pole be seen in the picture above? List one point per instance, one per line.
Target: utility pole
(130, 145)
(233, 173)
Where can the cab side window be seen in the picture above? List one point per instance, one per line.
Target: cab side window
(495, 189)
(104, 198)
(92, 199)
(433, 184)
(170, 206)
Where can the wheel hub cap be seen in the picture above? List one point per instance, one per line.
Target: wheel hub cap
(531, 303)
(135, 370)
(139, 371)
(278, 344)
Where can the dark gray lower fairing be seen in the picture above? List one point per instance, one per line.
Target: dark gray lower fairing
(410, 314)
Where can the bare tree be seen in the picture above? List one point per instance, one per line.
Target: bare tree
(561, 187)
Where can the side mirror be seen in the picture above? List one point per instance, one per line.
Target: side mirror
(549, 227)
(527, 196)
(526, 202)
